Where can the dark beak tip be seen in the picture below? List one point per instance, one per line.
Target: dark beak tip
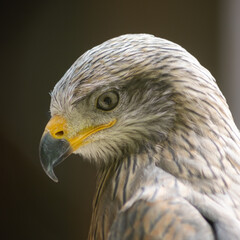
(52, 152)
(53, 177)
(50, 173)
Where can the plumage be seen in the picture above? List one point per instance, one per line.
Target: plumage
(163, 139)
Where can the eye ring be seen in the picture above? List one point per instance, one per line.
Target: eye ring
(108, 101)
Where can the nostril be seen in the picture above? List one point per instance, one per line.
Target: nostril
(59, 134)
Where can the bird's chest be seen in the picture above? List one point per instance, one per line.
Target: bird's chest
(102, 218)
(114, 190)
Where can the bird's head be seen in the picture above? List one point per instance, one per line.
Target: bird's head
(118, 98)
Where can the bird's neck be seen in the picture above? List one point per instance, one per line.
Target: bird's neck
(203, 155)
(116, 184)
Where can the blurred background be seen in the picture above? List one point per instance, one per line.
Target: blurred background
(40, 40)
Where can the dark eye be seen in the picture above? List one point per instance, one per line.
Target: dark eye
(108, 101)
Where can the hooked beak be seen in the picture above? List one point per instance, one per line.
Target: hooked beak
(57, 144)
(52, 152)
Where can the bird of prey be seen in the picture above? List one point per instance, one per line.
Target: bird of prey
(165, 145)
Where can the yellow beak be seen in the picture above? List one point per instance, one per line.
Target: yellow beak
(57, 143)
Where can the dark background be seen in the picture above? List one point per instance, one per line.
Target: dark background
(40, 40)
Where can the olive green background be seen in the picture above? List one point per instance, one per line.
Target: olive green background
(40, 40)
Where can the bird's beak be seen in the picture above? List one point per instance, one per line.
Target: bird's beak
(58, 142)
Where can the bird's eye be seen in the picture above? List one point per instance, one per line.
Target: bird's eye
(108, 101)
